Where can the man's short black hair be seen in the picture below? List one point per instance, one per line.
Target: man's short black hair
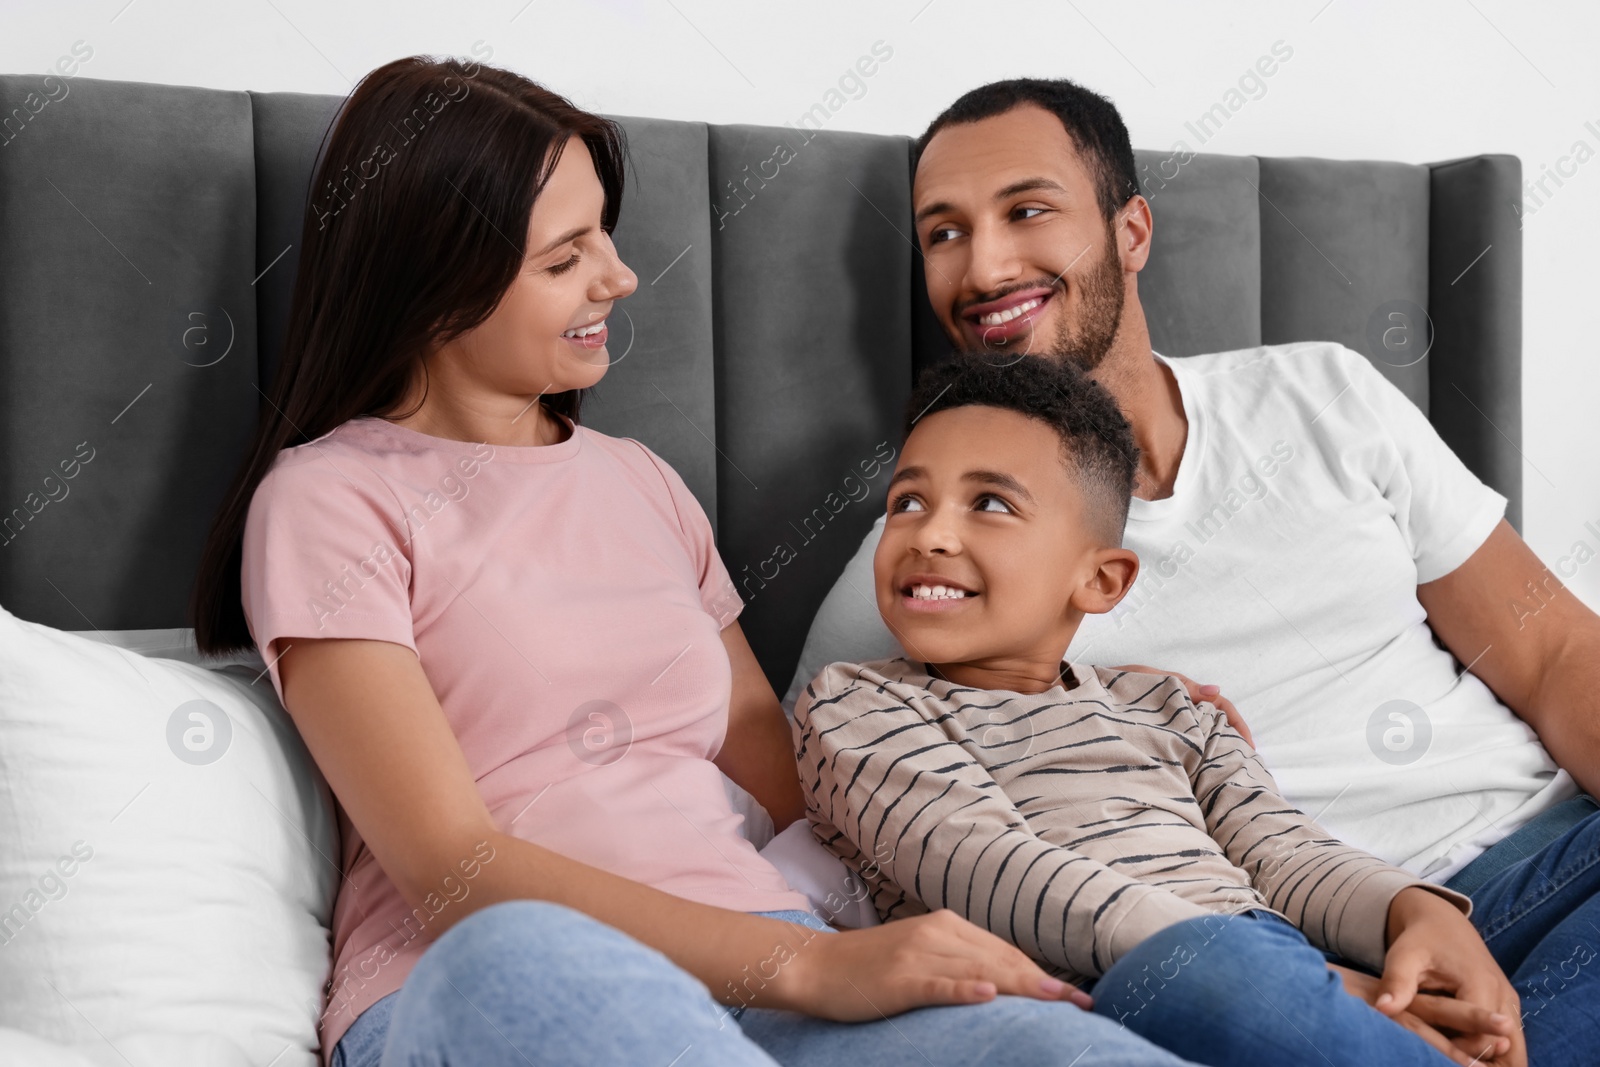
(1091, 120)
(1096, 441)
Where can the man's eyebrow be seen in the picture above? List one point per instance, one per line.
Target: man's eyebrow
(982, 477)
(570, 235)
(1026, 185)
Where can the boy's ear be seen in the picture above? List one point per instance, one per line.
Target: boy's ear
(1112, 577)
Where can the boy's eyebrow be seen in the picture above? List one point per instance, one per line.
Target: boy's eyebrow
(982, 477)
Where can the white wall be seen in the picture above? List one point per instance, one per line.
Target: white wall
(1416, 82)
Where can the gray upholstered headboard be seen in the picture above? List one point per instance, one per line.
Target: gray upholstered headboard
(147, 250)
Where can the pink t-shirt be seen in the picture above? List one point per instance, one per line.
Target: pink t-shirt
(565, 602)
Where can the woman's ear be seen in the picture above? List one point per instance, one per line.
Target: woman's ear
(1114, 570)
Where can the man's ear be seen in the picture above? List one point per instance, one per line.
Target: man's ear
(1134, 232)
(1114, 572)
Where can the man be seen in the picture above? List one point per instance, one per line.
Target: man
(1307, 540)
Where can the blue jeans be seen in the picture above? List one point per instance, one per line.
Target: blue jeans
(1256, 992)
(1536, 901)
(531, 982)
(1248, 990)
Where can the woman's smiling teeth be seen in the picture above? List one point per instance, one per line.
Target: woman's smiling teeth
(997, 318)
(586, 331)
(938, 592)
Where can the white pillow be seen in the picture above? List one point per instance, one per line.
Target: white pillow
(837, 894)
(757, 825)
(167, 867)
(176, 643)
(18, 1049)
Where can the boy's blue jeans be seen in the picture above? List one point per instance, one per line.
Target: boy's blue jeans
(1247, 992)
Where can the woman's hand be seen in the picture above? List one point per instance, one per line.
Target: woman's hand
(937, 958)
(1211, 694)
(1465, 1032)
(1432, 945)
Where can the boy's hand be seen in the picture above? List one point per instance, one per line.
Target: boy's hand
(1210, 694)
(937, 958)
(1479, 1034)
(1432, 944)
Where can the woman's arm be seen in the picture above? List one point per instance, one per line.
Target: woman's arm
(371, 721)
(758, 752)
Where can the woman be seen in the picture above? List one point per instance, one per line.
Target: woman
(507, 641)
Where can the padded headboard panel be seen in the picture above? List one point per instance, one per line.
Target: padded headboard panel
(148, 249)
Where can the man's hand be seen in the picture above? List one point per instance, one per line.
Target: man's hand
(1432, 944)
(1208, 693)
(1465, 1032)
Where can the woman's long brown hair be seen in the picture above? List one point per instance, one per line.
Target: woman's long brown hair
(414, 230)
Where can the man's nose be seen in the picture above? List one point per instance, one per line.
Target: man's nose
(992, 262)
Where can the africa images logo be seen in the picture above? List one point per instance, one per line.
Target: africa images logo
(199, 732)
(1398, 732)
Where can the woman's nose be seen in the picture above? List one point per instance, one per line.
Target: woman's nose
(617, 279)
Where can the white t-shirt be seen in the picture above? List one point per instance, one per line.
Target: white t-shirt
(1312, 499)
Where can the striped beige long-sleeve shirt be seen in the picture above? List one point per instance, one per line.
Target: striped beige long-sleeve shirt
(1074, 822)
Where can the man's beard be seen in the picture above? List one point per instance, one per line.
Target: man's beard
(1102, 297)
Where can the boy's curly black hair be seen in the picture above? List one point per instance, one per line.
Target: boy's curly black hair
(1096, 441)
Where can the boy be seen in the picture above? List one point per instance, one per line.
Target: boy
(1099, 819)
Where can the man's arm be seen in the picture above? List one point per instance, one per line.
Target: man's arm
(880, 781)
(1507, 615)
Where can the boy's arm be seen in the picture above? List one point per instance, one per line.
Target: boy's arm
(919, 818)
(1337, 895)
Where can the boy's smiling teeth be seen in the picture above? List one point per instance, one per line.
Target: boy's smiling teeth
(938, 592)
(585, 331)
(996, 318)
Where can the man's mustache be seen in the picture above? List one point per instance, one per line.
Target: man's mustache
(1055, 285)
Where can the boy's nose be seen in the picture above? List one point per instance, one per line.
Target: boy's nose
(936, 535)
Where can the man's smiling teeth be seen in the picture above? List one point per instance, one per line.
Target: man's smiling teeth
(585, 331)
(996, 318)
(938, 592)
